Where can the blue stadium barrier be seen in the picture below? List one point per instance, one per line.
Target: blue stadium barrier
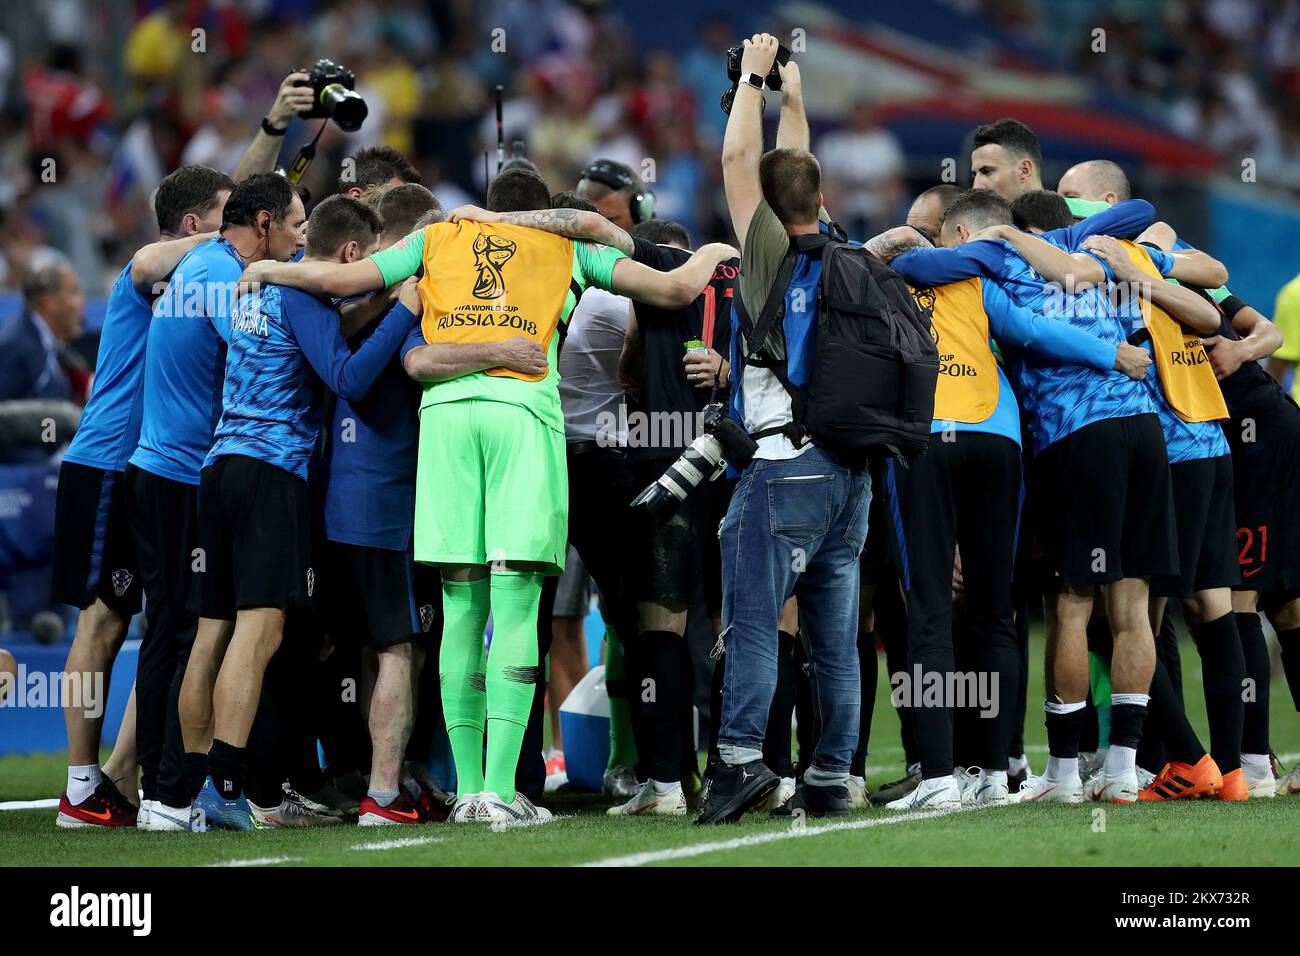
(27, 729)
(1255, 239)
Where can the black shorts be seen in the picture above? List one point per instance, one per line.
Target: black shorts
(255, 532)
(1107, 503)
(683, 560)
(1266, 497)
(94, 553)
(1207, 555)
(378, 595)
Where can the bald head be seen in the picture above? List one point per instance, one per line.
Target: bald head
(1097, 180)
(929, 208)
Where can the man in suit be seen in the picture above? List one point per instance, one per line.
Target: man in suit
(32, 346)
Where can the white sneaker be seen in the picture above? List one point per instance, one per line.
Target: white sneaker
(777, 798)
(1289, 783)
(620, 783)
(1121, 788)
(987, 792)
(291, 813)
(518, 812)
(1260, 783)
(647, 802)
(1091, 762)
(142, 815)
(162, 817)
(967, 778)
(940, 794)
(1046, 790)
(468, 808)
(857, 792)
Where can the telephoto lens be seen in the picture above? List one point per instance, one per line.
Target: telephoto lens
(723, 442)
(701, 461)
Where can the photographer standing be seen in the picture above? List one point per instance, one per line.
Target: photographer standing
(798, 517)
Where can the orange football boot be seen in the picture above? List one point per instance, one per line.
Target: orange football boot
(1234, 786)
(1180, 781)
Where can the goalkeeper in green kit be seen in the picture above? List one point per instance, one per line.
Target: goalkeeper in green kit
(492, 485)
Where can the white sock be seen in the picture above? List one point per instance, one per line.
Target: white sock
(82, 782)
(993, 776)
(1255, 760)
(1120, 760)
(1017, 764)
(663, 788)
(1058, 768)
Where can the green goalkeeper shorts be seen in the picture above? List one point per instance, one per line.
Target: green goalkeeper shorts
(492, 484)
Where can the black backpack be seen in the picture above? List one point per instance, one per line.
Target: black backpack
(874, 366)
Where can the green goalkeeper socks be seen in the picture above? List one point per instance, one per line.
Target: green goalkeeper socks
(511, 674)
(622, 745)
(461, 670)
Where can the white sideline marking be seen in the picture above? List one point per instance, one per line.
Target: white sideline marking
(757, 839)
(49, 804)
(258, 861)
(396, 844)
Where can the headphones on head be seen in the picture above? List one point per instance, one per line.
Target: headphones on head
(617, 176)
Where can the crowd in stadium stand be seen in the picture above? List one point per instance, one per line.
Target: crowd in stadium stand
(1221, 72)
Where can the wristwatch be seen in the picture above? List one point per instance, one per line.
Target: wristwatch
(754, 80)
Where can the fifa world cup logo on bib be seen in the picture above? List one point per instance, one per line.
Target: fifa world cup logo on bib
(491, 253)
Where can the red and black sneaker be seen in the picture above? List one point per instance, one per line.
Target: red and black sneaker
(402, 810)
(106, 807)
(436, 804)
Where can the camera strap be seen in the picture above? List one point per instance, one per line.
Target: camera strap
(755, 333)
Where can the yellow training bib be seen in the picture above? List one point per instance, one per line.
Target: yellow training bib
(1186, 376)
(968, 372)
(487, 282)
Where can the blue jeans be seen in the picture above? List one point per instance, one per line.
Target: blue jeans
(794, 527)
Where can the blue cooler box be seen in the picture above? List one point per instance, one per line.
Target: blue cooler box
(584, 721)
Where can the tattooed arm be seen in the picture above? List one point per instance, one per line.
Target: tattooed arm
(570, 223)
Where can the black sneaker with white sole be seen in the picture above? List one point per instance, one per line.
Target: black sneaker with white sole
(898, 788)
(729, 791)
(811, 801)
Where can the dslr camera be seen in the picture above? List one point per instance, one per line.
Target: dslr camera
(705, 458)
(336, 97)
(772, 81)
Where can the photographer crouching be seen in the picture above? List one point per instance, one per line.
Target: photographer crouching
(797, 521)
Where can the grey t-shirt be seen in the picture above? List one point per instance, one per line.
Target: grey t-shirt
(766, 244)
(589, 391)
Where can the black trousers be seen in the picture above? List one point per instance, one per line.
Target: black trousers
(605, 531)
(164, 522)
(962, 493)
(891, 628)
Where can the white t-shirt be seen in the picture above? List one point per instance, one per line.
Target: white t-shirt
(589, 391)
(766, 405)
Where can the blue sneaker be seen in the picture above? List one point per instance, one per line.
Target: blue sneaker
(212, 811)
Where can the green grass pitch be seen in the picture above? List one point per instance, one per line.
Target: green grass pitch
(1209, 833)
